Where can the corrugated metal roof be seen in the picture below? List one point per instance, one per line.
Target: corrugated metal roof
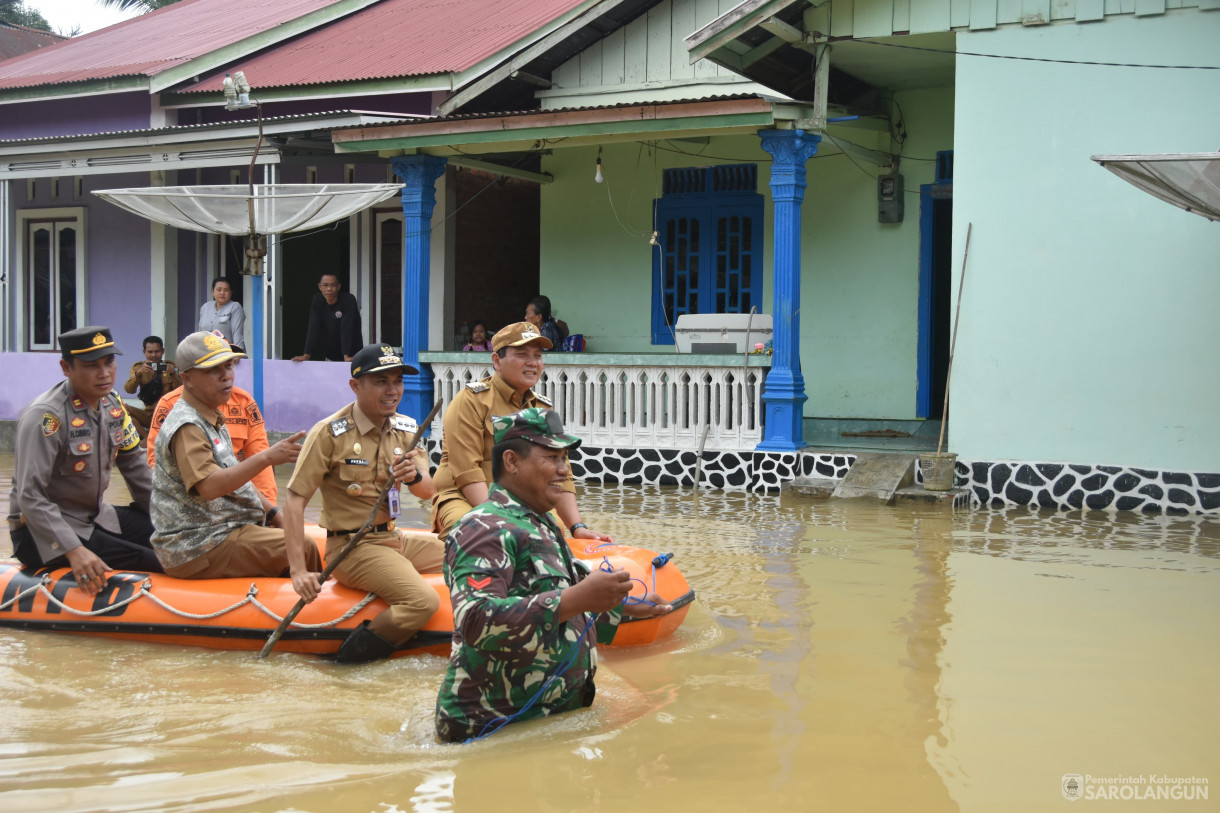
(16, 40)
(151, 43)
(268, 123)
(397, 38)
(548, 111)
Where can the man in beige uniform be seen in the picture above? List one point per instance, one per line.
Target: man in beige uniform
(465, 469)
(211, 523)
(68, 439)
(150, 378)
(351, 455)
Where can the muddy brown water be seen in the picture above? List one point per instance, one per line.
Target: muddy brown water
(840, 656)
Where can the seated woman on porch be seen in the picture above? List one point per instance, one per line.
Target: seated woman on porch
(464, 474)
(538, 314)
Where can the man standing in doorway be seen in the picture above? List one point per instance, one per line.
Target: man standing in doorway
(334, 323)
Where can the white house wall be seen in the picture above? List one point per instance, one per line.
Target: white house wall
(881, 18)
(1088, 328)
(647, 60)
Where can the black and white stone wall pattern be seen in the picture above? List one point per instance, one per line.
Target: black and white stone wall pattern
(1074, 486)
(1050, 485)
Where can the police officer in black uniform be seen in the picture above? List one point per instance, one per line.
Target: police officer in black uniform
(68, 439)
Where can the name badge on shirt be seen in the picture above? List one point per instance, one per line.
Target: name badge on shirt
(355, 461)
(392, 503)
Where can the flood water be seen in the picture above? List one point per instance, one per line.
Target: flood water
(840, 656)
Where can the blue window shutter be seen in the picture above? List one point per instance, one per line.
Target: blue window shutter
(709, 254)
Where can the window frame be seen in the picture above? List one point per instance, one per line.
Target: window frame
(706, 207)
(58, 217)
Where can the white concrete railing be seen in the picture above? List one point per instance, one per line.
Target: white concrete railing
(637, 402)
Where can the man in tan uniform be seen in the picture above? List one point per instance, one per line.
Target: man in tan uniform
(210, 521)
(465, 470)
(351, 455)
(67, 441)
(152, 377)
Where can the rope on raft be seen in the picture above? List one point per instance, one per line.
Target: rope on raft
(146, 591)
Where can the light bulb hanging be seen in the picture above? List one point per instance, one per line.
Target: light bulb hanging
(598, 177)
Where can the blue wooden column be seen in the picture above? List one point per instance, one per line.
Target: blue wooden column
(419, 173)
(785, 398)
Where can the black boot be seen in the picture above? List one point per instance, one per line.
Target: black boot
(362, 645)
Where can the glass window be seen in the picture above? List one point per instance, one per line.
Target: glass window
(52, 274)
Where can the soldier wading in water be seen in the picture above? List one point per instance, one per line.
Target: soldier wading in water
(524, 610)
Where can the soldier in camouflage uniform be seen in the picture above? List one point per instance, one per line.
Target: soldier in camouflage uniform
(523, 608)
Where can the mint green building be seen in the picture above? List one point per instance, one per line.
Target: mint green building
(1084, 373)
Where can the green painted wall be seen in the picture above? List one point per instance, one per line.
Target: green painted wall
(1089, 330)
(859, 277)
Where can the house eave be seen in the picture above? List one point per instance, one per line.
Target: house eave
(96, 87)
(500, 133)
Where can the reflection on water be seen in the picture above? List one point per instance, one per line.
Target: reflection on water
(840, 656)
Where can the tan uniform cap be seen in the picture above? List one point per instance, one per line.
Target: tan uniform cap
(517, 334)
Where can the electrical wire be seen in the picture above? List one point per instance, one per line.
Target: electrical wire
(1042, 59)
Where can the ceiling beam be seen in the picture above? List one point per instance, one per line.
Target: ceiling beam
(501, 170)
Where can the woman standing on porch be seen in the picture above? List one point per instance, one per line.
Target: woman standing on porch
(223, 314)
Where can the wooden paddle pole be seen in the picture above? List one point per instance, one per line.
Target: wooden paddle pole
(957, 318)
(355, 539)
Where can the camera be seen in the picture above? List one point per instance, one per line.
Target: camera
(159, 366)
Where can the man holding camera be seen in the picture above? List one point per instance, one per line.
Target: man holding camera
(152, 377)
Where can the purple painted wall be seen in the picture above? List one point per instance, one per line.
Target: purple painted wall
(116, 254)
(25, 376)
(300, 394)
(117, 262)
(297, 395)
(76, 116)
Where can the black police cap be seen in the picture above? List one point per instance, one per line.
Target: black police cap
(376, 358)
(88, 343)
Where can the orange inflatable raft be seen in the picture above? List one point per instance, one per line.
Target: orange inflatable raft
(242, 613)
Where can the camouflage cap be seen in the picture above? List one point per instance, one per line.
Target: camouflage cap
(203, 350)
(537, 425)
(517, 334)
(377, 358)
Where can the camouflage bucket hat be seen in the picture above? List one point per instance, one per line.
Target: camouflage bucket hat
(541, 426)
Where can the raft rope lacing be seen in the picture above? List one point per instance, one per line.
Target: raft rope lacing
(146, 591)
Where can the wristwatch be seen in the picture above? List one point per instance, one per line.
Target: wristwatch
(576, 527)
(418, 476)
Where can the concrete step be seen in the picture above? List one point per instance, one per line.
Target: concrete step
(811, 486)
(877, 476)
